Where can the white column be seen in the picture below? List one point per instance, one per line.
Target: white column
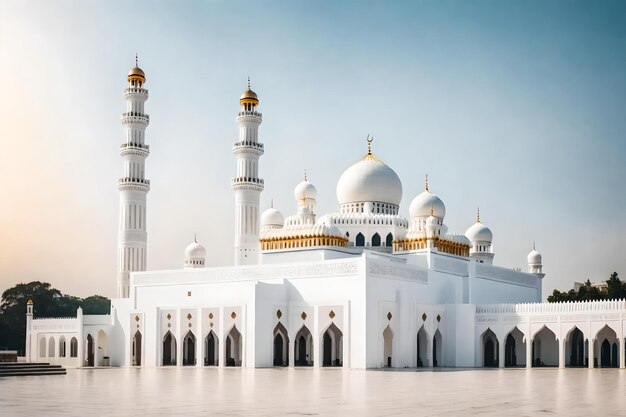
(316, 339)
(529, 352)
(179, 339)
(591, 352)
(222, 337)
(501, 347)
(622, 352)
(199, 338)
(561, 353)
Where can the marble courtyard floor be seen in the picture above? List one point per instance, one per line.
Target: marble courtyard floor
(316, 392)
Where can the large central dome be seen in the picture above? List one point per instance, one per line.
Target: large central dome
(369, 180)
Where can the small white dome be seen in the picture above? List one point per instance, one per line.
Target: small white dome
(458, 238)
(272, 217)
(478, 232)
(534, 257)
(305, 190)
(195, 251)
(423, 204)
(369, 180)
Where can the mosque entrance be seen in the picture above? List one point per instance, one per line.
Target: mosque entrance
(211, 351)
(303, 349)
(387, 346)
(169, 350)
(137, 349)
(490, 349)
(281, 346)
(189, 349)
(332, 346)
(545, 348)
(90, 351)
(360, 239)
(606, 347)
(437, 349)
(514, 348)
(422, 347)
(233, 347)
(576, 344)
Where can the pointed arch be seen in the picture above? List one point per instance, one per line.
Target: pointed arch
(211, 349)
(606, 347)
(375, 239)
(303, 347)
(90, 350)
(360, 239)
(545, 349)
(389, 239)
(42, 347)
(51, 350)
(73, 347)
(189, 349)
(514, 348)
(490, 348)
(281, 345)
(332, 346)
(136, 349)
(233, 349)
(62, 347)
(422, 347)
(169, 350)
(437, 349)
(388, 347)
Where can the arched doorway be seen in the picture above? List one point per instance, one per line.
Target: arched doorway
(102, 348)
(387, 347)
(376, 239)
(545, 348)
(62, 347)
(73, 348)
(211, 351)
(51, 347)
(233, 347)
(189, 349)
(389, 240)
(515, 349)
(42, 347)
(332, 342)
(303, 349)
(360, 239)
(281, 346)
(169, 349)
(136, 352)
(422, 347)
(575, 348)
(437, 349)
(606, 346)
(490, 349)
(90, 351)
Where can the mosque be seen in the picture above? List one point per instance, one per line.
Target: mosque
(362, 287)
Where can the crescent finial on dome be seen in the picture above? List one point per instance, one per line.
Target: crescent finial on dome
(427, 183)
(195, 237)
(370, 139)
(478, 215)
(305, 177)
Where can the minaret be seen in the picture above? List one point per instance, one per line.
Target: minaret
(247, 184)
(133, 185)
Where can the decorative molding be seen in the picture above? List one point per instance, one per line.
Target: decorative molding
(393, 270)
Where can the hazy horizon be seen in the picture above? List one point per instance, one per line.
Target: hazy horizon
(516, 107)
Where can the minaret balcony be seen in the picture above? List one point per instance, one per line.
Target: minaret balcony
(247, 145)
(135, 184)
(250, 113)
(134, 148)
(248, 182)
(134, 117)
(136, 90)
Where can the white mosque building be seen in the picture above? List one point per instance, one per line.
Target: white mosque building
(363, 287)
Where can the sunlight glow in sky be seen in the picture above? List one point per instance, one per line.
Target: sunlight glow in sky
(516, 107)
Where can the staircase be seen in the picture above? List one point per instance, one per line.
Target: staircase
(24, 369)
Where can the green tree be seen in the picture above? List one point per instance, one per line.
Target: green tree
(616, 288)
(48, 302)
(587, 292)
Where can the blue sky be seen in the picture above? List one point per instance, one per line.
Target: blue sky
(518, 107)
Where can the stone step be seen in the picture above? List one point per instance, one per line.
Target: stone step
(23, 369)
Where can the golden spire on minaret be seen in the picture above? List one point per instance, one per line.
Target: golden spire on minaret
(136, 74)
(249, 96)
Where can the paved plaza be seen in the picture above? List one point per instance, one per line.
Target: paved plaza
(324, 392)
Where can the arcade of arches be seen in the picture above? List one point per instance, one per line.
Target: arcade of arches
(546, 350)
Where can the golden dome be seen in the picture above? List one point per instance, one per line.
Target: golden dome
(249, 95)
(136, 74)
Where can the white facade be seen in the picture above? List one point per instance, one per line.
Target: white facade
(359, 288)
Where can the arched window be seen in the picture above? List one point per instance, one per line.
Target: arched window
(389, 240)
(360, 239)
(73, 348)
(376, 239)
